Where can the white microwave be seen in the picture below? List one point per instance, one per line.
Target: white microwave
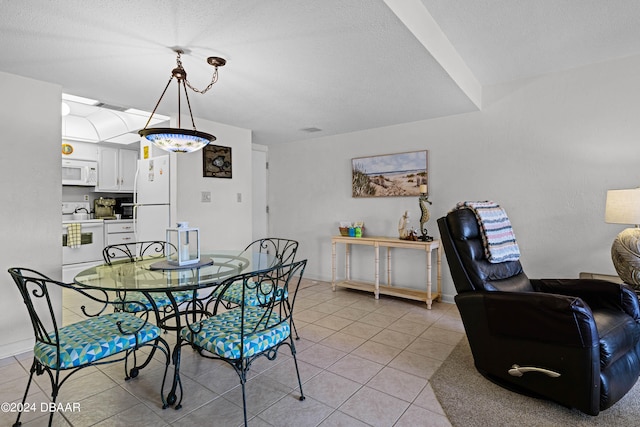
(79, 172)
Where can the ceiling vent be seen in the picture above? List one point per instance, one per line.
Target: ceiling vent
(111, 107)
(311, 130)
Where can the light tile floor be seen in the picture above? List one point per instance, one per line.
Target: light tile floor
(363, 362)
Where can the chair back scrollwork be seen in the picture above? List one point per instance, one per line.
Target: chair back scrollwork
(281, 251)
(134, 251)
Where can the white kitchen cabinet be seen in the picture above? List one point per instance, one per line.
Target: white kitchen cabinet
(79, 150)
(116, 169)
(119, 232)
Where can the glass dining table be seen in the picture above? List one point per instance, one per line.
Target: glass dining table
(152, 277)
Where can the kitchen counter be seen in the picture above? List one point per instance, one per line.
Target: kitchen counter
(81, 221)
(93, 221)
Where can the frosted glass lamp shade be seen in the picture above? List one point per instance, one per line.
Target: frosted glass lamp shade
(177, 140)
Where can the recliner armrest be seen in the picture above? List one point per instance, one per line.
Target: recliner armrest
(596, 293)
(531, 316)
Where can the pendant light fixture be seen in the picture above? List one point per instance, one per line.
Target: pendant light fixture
(178, 139)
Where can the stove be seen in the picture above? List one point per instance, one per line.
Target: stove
(89, 252)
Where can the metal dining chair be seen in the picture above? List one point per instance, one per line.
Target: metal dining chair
(242, 334)
(281, 252)
(88, 342)
(134, 302)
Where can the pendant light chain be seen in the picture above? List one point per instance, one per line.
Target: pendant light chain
(214, 78)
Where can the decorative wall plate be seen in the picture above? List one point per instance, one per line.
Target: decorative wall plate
(216, 161)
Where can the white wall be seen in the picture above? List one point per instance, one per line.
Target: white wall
(546, 149)
(224, 223)
(30, 177)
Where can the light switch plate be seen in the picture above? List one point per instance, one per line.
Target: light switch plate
(205, 197)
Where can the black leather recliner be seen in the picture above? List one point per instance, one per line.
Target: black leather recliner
(572, 341)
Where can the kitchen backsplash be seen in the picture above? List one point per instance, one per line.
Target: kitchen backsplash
(86, 194)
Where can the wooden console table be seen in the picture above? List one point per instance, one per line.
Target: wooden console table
(387, 289)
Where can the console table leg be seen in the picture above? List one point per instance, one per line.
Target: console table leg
(377, 272)
(429, 279)
(389, 266)
(347, 261)
(333, 266)
(439, 272)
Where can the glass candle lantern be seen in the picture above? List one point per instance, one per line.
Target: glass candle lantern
(186, 240)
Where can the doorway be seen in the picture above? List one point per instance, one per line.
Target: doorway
(259, 168)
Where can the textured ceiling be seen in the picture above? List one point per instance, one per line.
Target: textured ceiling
(505, 40)
(336, 65)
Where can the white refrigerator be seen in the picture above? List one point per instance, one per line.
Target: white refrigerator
(152, 210)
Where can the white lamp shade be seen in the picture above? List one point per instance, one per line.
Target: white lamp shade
(623, 207)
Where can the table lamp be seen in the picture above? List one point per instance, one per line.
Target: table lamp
(623, 207)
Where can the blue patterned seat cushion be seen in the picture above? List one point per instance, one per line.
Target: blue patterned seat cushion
(94, 339)
(252, 297)
(131, 300)
(221, 333)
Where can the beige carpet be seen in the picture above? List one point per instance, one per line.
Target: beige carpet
(470, 400)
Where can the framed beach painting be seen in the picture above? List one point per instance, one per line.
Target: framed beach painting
(389, 175)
